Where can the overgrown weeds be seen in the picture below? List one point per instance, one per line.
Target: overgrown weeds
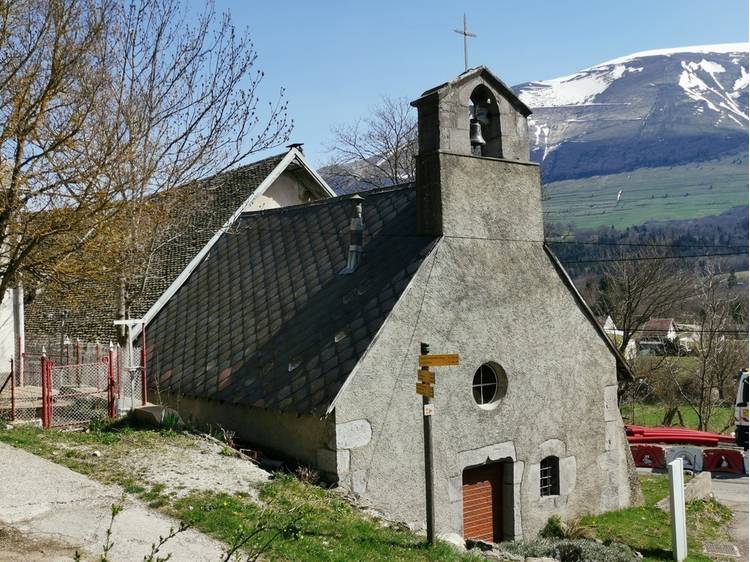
(568, 550)
(557, 528)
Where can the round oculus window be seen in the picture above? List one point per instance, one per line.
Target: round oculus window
(489, 384)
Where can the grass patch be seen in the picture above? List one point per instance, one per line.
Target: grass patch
(312, 524)
(685, 191)
(74, 449)
(651, 415)
(328, 528)
(648, 529)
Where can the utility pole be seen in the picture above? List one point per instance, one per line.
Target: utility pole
(465, 32)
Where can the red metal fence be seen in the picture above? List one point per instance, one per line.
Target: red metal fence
(73, 393)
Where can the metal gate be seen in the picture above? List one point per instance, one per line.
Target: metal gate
(104, 385)
(77, 394)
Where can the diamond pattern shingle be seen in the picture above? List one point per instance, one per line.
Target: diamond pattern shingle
(267, 320)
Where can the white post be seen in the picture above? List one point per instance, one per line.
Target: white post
(677, 507)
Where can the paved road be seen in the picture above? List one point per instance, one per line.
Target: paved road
(53, 507)
(733, 492)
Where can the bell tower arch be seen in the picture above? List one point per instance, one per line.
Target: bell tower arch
(484, 123)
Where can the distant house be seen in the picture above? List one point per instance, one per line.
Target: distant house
(608, 325)
(213, 205)
(656, 336)
(688, 336)
(615, 334)
(300, 330)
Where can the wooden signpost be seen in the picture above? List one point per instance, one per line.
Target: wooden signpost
(426, 389)
(444, 360)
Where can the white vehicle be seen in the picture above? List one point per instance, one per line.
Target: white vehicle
(741, 409)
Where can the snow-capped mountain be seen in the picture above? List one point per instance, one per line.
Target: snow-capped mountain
(652, 108)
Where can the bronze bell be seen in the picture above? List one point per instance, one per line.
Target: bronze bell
(475, 134)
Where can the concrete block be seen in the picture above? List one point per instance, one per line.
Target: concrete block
(567, 475)
(155, 416)
(351, 435)
(692, 457)
(333, 462)
(552, 447)
(475, 457)
(455, 489)
(698, 488)
(532, 479)
(614, 434)
(453, 539)
(611, 411)
(359, 481)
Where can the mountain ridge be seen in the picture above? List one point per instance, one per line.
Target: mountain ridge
(653, 108)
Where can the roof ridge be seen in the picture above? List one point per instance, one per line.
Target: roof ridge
(242, 168)
(330, 201)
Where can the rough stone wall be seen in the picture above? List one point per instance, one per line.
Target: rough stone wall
(490, 299)
(507, 204)
(444, 122)
(290, 436)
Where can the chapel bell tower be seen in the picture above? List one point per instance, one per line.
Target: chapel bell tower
(474, 177)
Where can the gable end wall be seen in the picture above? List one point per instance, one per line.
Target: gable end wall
(488, 301)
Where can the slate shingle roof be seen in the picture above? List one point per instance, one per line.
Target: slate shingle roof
(656, 328)
(267, 320)
(90, 316)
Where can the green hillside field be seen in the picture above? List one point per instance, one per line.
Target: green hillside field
(672, 192)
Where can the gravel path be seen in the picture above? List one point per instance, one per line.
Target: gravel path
(47, 511)
(201, 466)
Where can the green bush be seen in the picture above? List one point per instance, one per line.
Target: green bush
(170, 422)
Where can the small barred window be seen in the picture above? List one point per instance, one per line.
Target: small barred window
(549, 477)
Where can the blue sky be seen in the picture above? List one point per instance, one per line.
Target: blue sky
(336, 59)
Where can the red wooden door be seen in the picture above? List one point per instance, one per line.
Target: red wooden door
(482, 490)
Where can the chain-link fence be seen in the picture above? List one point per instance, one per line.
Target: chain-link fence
(53, 394)
(19, 401)
(7, 398)
(78, 393)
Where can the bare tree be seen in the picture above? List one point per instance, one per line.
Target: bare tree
(720, 356)
(638, 286)
(377, 150)
(186, 98)
(106, 107)
(52, 80)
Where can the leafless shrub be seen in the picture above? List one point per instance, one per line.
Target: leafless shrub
(307, 474)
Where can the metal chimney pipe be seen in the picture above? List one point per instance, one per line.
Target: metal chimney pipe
(356, 236)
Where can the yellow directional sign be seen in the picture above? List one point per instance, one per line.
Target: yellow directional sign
(425, 390)
(445, 360)
(426, 376)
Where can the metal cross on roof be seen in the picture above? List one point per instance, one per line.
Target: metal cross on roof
(465, 32)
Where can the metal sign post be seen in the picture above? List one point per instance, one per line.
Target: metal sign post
(424, 387)
(677, 508)
(131, 368)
